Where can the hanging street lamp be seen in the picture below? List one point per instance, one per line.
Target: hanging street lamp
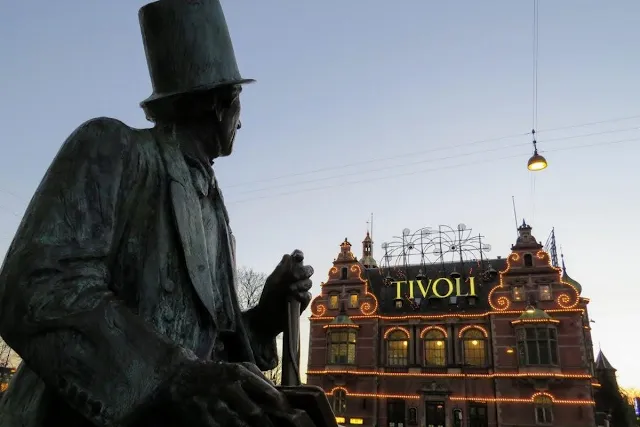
(536, 162)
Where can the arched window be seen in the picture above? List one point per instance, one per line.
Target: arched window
(474, 348)
(537, 345)
(339, 402)
(528, 260)
(435, 348)
(397, 348)
(342, 347)
(544, 409)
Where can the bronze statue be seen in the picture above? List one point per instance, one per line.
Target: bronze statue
(118, 288)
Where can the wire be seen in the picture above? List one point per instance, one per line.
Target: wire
(343, 184)
(421, 162)
(431, 150)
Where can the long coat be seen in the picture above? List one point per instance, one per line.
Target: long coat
(107, 285)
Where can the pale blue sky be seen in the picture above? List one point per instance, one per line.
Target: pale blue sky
(344, 84)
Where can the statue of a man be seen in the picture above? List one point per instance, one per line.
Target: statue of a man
(118, 289)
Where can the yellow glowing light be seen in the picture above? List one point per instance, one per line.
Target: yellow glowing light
(536, 163)
(356, 421)
(439, 343)
(474, 342)
(530, 309)
(396, 328)
(357, 372)
(429, 328)
(471, 398)
(466, 328)
(340, 420)
(509, 350)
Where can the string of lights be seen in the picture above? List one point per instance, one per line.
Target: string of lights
(416, 172)
(532, 399)
(370, 373)
(443, 148)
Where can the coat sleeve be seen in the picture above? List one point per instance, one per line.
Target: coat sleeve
(264, 346)
(56, 308)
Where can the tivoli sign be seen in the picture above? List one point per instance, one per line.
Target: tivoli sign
(442, 287)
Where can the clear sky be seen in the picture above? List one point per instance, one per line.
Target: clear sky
(372, 106)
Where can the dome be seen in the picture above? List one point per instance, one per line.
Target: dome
(532, 313)
(569, 280)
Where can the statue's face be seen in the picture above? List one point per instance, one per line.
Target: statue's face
(229, 122)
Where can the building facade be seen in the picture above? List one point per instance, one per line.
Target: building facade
(475, 343)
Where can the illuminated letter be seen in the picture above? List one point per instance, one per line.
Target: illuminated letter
(458, 291)
(398, 288)
(472, 286)
(423, 291)
(435, 287)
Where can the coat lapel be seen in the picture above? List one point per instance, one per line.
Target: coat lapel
(189, 224)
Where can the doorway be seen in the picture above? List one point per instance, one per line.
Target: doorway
(434, 414)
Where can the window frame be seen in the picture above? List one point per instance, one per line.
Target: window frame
(527, 260)
(517, 290)
(339, 402)
(397, 337)
(468, 338)
(529, 338)
(346, 343)
(351, 300)
(337, 299)
(545, 296)
(543, 405)
(430, 337)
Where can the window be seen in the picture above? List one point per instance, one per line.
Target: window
(353, 300)
(397, 348)
(517, 293)
(538, 346)
(435, 348)
(543, 408)
(342, 347)
(528, 260)
(339, 402)
(333, 301)
(473, 347)
(398, 303)
(413, 416)
(344, 273)
(478, 416)
(396, 412)
(545, 293)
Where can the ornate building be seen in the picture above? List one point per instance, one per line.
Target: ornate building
(474, 342)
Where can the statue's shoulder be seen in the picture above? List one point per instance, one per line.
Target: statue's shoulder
(104, 128)
(105, 137)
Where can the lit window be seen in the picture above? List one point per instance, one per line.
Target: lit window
(474, 351)
(545, 293)
(353, 300)
(537, 346)
(333, 301)
(342, 347)
(397, 348)
(435, 348)
(344, 273)
(544, 410)
(339, 402)
(528, 260)
(517, 293)
(398, 303)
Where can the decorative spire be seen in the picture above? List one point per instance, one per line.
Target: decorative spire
(345, 251)
(602, 364)
(367, 252)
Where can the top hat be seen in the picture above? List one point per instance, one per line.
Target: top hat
(188, 47)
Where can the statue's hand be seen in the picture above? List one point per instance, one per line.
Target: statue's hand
(212, 394)
(290, 279)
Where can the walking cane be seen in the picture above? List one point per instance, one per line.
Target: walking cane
(310, 400)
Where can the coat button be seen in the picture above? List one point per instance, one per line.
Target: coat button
(169, 285)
